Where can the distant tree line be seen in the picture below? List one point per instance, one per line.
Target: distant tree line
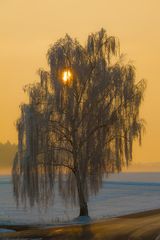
(7, 153)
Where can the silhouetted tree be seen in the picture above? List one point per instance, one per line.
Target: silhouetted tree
(80, 122)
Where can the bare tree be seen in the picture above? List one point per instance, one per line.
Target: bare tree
(80, 122)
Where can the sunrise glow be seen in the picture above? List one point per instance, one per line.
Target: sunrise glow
(66, 76)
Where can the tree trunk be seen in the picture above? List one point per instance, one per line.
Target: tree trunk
(82, 202)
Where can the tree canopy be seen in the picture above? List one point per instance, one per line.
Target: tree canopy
(80, 122)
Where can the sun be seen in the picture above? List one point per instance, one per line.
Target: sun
(66, 76)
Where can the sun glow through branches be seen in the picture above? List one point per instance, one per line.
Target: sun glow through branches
(66, 76)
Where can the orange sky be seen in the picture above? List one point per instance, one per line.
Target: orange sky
(27, 28)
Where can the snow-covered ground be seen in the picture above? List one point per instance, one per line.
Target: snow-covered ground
(121, 194)
(2, 230)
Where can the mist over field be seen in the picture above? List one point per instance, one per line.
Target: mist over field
(8, 150)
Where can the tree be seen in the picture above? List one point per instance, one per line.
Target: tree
(80, 122)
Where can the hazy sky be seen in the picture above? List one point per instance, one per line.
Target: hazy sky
(28, 27)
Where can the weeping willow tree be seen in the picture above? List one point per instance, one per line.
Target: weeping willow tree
(80, 122)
